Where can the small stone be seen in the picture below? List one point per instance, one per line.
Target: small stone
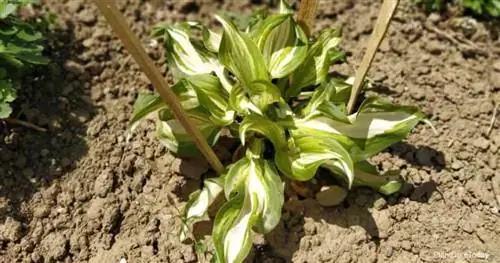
(457, 165)
(417, 94)
(434, 47)
(104, 183)
(87, 16)
(406, 245)
(467, 226)
(310, 228)
(95, 209)
(380, 203)
(74, 67)
(138, 182)
(111, 218)
(388, 251)
(434, 18)
(383, 222)
(74, 6)
(89, 42)
(55, 246)
(331, 195)
(41, 211)
(11, 230)
(101, 34)
(481, 143)
(496, 66)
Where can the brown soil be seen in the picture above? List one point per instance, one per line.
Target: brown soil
(80, 193)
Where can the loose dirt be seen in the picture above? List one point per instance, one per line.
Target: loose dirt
(81, 193)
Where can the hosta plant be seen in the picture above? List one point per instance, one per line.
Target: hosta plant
(268, 85)
(20, 47)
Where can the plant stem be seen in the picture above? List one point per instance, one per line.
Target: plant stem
(307, 15)
(117, 21)
(25, 124)
(383, 21)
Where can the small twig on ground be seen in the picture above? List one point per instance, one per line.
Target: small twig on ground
(492, 121)
(462, 44)
(451, 143)
(25, 124)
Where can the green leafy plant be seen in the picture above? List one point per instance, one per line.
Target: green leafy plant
(477, 7)
(269, 85)
(20, 47)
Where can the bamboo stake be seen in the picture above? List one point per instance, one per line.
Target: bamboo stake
(307, 15)
(383, 21)
(117, 21)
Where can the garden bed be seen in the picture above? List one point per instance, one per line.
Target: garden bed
(81, 193)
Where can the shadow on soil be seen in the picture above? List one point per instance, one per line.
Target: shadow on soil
(356, 210)
(422, 156)
(53, 97)
(285, 240)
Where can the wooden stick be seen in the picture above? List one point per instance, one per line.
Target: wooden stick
(383, 21)
(307, 15)
(117, 21)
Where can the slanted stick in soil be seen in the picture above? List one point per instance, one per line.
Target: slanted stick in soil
(117, 21)
(383, 21)
(307, 15)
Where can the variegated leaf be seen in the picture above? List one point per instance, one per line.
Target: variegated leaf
(366, 175)
(198, 204)
(148, 103)
(256, 196)
(283, 44)
(211, 39)
(241, 55)
(265, 127)
(173, 135)
(377, 125)
(265, 183)
(232, 232)
(239, 102)
(145, 104)
(263, 93)
(213, 98)
(314, 69)
(308, 152)
(285, 7)
(189, 58)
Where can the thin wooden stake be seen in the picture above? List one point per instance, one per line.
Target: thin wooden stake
(383, 21)
(117, 21)
(307, 15)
